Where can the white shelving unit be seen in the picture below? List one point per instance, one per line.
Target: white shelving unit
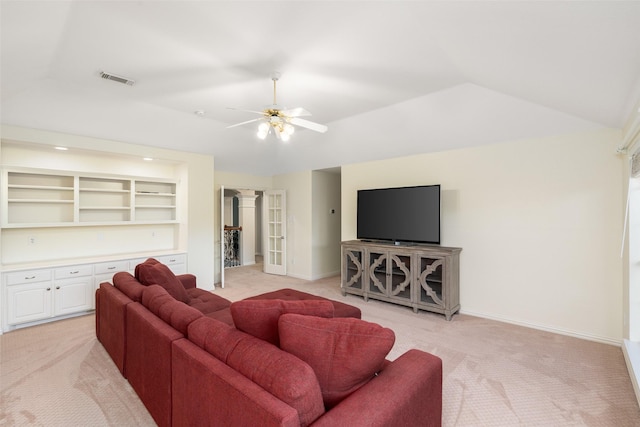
(154, 201)
(43, 198)
(33, 198)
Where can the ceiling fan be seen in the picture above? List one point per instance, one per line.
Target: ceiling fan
(280, 120)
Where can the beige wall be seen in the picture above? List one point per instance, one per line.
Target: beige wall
(195, 205)
(325, 239)
(539, 221)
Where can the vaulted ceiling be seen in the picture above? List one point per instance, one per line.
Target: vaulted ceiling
(389, 78)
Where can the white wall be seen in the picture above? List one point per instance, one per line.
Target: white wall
(539, 222)
(325, 239)
(34, 148)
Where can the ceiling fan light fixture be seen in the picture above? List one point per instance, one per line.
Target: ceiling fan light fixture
(288, 129)
(263, 130)
(281, 121)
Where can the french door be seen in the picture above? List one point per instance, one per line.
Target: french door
(275, 259)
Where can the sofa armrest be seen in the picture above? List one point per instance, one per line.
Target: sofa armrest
(187, 280)
(407, 392)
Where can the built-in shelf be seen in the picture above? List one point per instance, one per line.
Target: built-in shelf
(35, 198)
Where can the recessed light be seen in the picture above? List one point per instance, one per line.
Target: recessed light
(61, 148)
(147, 159)
(199, 113)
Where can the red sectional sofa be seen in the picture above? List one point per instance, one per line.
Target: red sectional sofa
(285, 358)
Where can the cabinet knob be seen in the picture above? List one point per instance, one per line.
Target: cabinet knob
(57, 287)
(48, 289)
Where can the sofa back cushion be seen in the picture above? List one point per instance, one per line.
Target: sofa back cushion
(280, 373)
(173, 312)
(260, 317)
(345, 353)
(128, 285)
(153, 272)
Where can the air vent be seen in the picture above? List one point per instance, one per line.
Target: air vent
(119, 79)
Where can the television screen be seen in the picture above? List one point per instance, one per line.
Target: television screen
(407, 214)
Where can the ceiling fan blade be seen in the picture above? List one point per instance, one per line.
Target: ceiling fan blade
(246, 111)
(295, 112)
(244, 123)
(309, 125)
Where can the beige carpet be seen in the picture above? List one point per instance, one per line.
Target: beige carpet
(495, 374)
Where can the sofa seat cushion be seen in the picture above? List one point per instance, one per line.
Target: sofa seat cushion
(260, 317)
(223, 316)
(166, 307)
(153, 272)
(340, 309)
(281, 374)
(345, 353)
(206, 302)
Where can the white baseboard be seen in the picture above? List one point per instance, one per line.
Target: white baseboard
(316, 277)
(631, 351)
(604, 340)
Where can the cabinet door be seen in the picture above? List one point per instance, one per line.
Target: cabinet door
(353, 269)
(390, 274)
(377, 272)
(399, 279)
(429, 280)
(73, 295)
(29, 302)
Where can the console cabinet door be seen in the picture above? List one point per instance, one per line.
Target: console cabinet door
(437, 283)
(389, 274)
(352, 270)
(429, 280)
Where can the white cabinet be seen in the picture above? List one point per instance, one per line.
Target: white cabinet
(29, 296)
(73, 289)
(44, 294)
(104, 271)
(46, 198)
(177, 263)
(39, 294)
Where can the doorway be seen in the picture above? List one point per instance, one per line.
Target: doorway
(242, 220)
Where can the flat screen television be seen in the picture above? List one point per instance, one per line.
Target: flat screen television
(406, 214)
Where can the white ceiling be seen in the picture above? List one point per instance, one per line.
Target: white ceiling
(389, 78)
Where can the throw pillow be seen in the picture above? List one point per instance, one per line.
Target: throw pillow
(260, 317)
(153, 272)
(345, 353)
(278, 372)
